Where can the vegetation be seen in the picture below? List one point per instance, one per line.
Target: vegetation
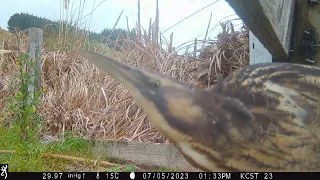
(114, 38)
(21, 106)
(78, 101)
(23, 21)
(20, 127)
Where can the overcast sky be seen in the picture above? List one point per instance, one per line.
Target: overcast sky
(106, 14)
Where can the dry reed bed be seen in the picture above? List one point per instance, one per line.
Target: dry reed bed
(9, 41)
(82, 98)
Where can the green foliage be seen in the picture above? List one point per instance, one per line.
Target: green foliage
(21, 111)
(113, 38)
(22, 121)
(117, 33)
(117, 37)
(23, 21)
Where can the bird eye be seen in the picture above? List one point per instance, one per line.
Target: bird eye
(156, 83)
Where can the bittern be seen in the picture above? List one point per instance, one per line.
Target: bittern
(263, 117)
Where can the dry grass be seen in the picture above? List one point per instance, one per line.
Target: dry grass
(228, 53)
(82, 98)
(14, 43)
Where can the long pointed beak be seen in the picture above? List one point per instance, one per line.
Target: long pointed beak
(128, 76)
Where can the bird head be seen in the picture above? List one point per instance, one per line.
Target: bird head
(191, 118)
(167, 102)
(225, 130)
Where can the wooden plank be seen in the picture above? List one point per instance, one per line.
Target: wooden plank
(306, 17)
(150, 154)
(270, 21)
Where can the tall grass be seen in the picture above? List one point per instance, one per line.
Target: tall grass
(82, 99)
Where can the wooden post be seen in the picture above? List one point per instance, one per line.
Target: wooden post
(35, 49)
(270, 21)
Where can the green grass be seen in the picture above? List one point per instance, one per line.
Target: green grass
(127, 168)
(29, 154)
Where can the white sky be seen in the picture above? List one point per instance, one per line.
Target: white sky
(105, 16)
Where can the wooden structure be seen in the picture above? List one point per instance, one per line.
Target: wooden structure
(35, 49)
(270, 21)
(280, 25)
(149, 154)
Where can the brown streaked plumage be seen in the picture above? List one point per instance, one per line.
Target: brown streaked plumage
(264, 117)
